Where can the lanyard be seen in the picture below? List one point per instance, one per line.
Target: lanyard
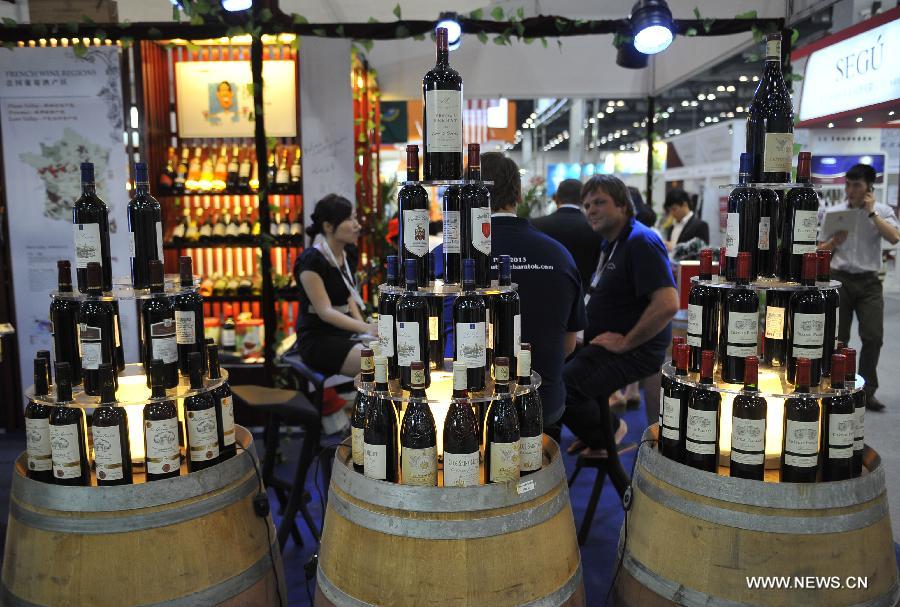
(601, 266)
(322, 244)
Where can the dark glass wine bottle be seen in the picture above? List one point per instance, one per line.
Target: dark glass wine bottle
(475, 220)
(461, 435)
(859, 407)
(442, 116)
(770, 121)
(37, 427)
(723, 325)
(741, 321)
(161, 445)
(664, 385)
(412, 200)
(412, 329)
(224, 406)
(501, 430)
(64, 322)
(361, 407)
(96, 326)
(742, 229)
(158, 327)
(775, 337)
(188, 305)
(382, 452)
(45, 355)
(117, 337)
(202, 445)
(832, 309)
(675, 404)
(800, 437)
(90, 217)
(531, 416)
(748, 427)
(451, 228)
(701, 445)
(387, 315)
(506, 317)
(703, 313)
(68, 435)
(801, 223)
(469, 317)
(838, 412)
(144, 228)
(418, 435)
(109, 430)
(435, 323)
(767, 245)
(806, 324)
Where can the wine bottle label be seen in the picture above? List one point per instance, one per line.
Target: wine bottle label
(859, 424)
(778, 150)
(451, 232)
(227, 421)
(774, 322)
(375, 461)
(809, 335)
(481, 229)
(161, 440)
(504, 462)
(470, 344)
(87, 244)
(531, 453)
(367, 364)
(764, 227)
(203, 434)
(117, 339)
(671, 418)
(282, 176)
(806, 226)
(296, 171)
(296, 228)
(244, 229)
(284, 229)
(742, 333)
(461, 469)
(695, 325)
(108, 453)
(419, 466)
(517, 334)
(217, 230)
(163, 343)
(699, 448)
(434, 333)
(417, 377)
(91, 341)
(408, 343)
(159, 241)
(701, 426)
(244, 171)
(37, 436)
(231, 229)
(733, 235)
(773, 49)
(65, 451)
(840, 435)
(748, 441)
(185, 327)
(178, 232)
(800, 249)
(228, 338)
(357, 445)
(443, 121)
(801, 443)
(386, 334)
(233, 166)
(415, 231)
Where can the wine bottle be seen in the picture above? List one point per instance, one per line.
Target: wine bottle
(381, 458)
(767, 245)
(244, 170)
(748, 427)
(469, 317)
(703, 313)
(387, 312)
(412, 329)
(742, 230)
(272, 167)
(664, 385)
(501, 430)
(506, 316)
(158, 327)
(37, 427)
(96, 326)
(770, 121)
(163, 458)
(701, 446)
(229, 330)
(167, 176)
(435, 323)
(45, 355)
(181, 172)
(296, 170)
(179, 232)
(188, 306)
(442, 116)
(412, 200)
(192, 183)
(207, 171)
(741, 322)
(723, 325)
(418, 436)
(800, 226)
(531, 416)
(800, 437)
(775, 337)
(68, 439)
(806, 324)
(144, 228)
(838, 412)
(64, 322)
(361, 407)
(461, 435)
(475, 220)
(832, 309)
(202, 446)
(109, 430)
(224, 406)
(283, 175)
(451, 229)
(675, 404)
(220, 172)
(233, 170)
(859, 416)
(117, 338)
(90, 217)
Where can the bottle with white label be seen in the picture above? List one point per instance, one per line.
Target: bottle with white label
(806, 324)
(144, 228)
(469, 317)
(770, 120)
(418, 436)
(188, 317)
(742, 226)
(501, 430)
(475, 220)
(37, 427)
(202, 445)
(832, 309)
(96, 332)
(838, 425)
(90, 219)
(158, 327)
(451, 232)
(64, 322)
(364, 399)
(109, 430)
(412, 329)
(769, 204)
(506, 317)
(436, 324)
(68, 438)
(674, 408)
(381, 457)
(859, 404)
(748, 427)
(703, 312)
(412, 201)
(741, 323)
(461, 435)
(800, 227)
(387, 312)
(664, 384)
(701, 447)
(161, 444)
(224, 406)
(800, 438)
(775, 329)
(442, 134)
(531, 416)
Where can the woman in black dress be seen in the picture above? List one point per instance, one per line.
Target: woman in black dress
(331, 329)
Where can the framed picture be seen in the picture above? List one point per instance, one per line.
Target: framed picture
(215, 99)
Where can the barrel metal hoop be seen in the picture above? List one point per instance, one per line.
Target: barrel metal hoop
(804, 525)
(133, 520)
(449, 529)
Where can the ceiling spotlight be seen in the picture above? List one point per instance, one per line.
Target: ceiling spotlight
(891, 113)
(233, 6)
(610, 110)
(739, 109)
(653, 26)
(670, 109)
(635, 124)
(743, 79)
(721, 88)
(694, 104)
(707, 119)
(711, 97)
(592, 120)
(454, 30)
(685, 103)
(831, 125)
(730, 88)
(756, 79)
(859, 118)
(701, 96)
(620, 103)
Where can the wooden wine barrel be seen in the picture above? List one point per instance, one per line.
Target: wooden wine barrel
(499, 545)
(693, 538)
(187, 541)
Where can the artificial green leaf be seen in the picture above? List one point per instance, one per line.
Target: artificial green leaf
(127, 42)
(520, 13)
(419, 37)
(544, 41)
(497, 13)
(397, 11)
(300, 20)
(373, 20)
(192, 47)
(482, 37)
(339, 30)
(747, 15)
(476, 14)
(319, 32)
(9, 44)
(707, 24)
(559, 44)
(80, 50)
(9, 22)
(175, 15)
(795, 35)
(528, 40)
(367, 44)
(752, 58)
(691, 31)
(499, 40)
(265, 15)
(758, 34)
(697, 13)
(196, 19)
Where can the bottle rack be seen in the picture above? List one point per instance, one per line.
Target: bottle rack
(123, 291)
(771, 284)
(440, 289)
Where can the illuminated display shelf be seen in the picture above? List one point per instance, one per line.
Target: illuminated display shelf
(123, 291)
(446, 182)
(770, 284)
(440, 289)
(769, 186)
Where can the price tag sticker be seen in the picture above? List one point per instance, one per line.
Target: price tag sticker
(525, 487)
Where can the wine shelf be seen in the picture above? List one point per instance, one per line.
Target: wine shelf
(441, 389)
(243, 242)
(769, 186)
(769, 379)
(770, 284)
(295, 191)
(440, 289)
(123, 291)
(446, 182)
(283, 296)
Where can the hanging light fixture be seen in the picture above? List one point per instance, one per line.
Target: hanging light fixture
(653, 27)
(454, 29)
(627, 56)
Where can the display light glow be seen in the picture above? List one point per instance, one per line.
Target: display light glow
(653, 39)
(236, 5)
(454, 31)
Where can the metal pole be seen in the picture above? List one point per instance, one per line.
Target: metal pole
(651, 110)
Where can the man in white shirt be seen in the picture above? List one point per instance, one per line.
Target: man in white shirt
(685, 225)
(855, 262)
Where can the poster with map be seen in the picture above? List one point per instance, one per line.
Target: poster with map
(57, 111)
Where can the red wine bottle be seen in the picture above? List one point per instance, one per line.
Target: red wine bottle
(806, 324)
(461, 435)
(158, 327)
(748, 427)
(382, 453)
(675, 404)
(412, 329)
(361, 406)
(224, 406)
(531, 416)
(469, 317)
(742, 229)
(202, 446)
(723, 295)
(144, 228)
(188, 317)
(96, 331)
(801, 223)
(435, 323)
(418, 435)
(665, 383)
(45, 355)
(775, 334)
(68, 438)
(442, 115)
(770, 121)
(64, 322)
(37, 427)
(451, 228)
(501, 430)
(838, 413)
(506, 317)
(412, 200)
(703, 313)
(161, 445)
(387, 314)
(832, 309)
(109, 430)
(701, 446)
(767, 244)
(475, 220)
(859, 416)
(90, 218)
(741, 322)
(800, 437)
